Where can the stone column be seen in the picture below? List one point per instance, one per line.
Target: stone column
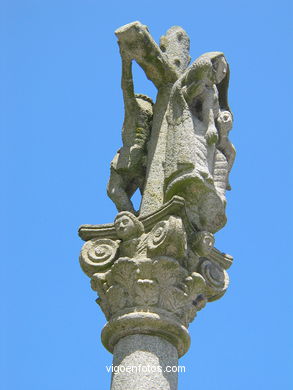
(143, 362)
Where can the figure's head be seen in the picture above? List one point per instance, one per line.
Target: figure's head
(220, 68)
(225, 121)
(219, 75)
(218, 65)
(128, 226)
(204, 243)
(175, 44)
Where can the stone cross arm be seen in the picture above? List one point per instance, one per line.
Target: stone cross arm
(136, 42)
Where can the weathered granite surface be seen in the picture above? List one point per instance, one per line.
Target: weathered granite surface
(154, 268)
(144, 362)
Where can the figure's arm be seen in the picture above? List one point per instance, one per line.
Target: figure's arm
(127, 84)
(193, 90)
(136, 41)
(209, 116)
(224, 124)
(194, 79)
(130, 103)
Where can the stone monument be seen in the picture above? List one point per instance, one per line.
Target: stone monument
(156, 267)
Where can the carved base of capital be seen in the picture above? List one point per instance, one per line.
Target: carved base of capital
(146, 323)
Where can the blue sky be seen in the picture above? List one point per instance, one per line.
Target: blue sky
(61, 114)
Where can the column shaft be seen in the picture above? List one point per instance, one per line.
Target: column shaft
(142, 362)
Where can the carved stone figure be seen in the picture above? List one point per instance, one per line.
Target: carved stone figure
(163, 67)
(224, 125)
(188, 152)
(198, 99)
(155, 268)
(131, 233)
(128, 168)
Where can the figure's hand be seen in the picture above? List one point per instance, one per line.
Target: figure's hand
(212, 135)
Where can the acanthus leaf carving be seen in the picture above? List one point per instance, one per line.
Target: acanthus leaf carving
(167, 271)
(146, 292)
(125, 273)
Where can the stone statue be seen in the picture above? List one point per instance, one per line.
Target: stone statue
(186, 150)
(156, 267)
(128, 167)
(195, 167)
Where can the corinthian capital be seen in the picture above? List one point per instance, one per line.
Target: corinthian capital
(152, 274)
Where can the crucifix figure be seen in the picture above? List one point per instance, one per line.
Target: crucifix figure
(179, 145)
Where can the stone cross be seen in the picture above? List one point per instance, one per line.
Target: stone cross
(156, 267)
